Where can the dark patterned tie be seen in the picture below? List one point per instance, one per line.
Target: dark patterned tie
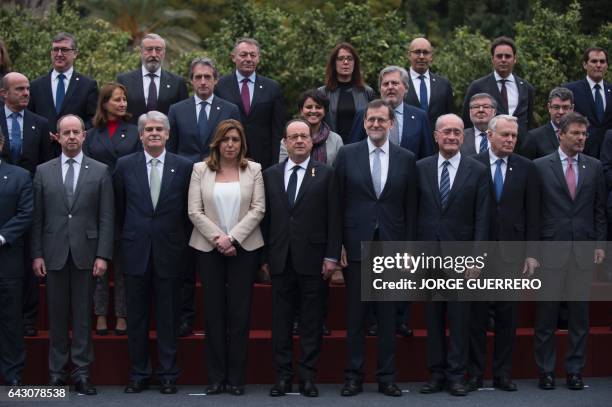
(423, 93)
(292, 186)
(152, 99)
(504, 95)
(444, 184)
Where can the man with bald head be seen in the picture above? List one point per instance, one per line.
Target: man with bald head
(429, 91)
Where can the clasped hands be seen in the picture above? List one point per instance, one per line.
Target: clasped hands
(224, 245)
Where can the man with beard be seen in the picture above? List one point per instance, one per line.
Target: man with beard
(151, 87)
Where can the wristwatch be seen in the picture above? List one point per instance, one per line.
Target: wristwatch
(232, 240)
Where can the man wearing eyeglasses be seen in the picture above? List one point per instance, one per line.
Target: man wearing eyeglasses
(593, 96)
(482, 110)
(63, 90)
(514, 95)
(150, 87)
(545, 139)
(428, 91)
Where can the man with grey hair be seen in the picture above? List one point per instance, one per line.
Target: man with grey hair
(151, 87)
(545, 139)
(515, 210)
(151, 199)
(259, 99)
(411, 126)
(482, 110)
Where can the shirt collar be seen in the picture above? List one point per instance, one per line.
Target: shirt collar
(67, 74)
(290, 164)
(493, 158)
(399, 109)
(161, 158)
(78, 158)
(145, 72)
(592, 82)
(372, 147)
(415, 75)
(240, 77)
(198, 100)
(454, 160)
(554, 126)
(8, 112)
(498, 78)
(564, 156)
(477, 131)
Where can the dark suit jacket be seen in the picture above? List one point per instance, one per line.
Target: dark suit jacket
(584, 103)
(264, 125)
(16, 208)
(441, 99)
(516, 216)
(184, 138)
(394, 212)
(161, 233)
(311, 230)
(416, 133)
(468, 148)
(81, 99)
(540, 142)
(99, 146)
(523, 111)
(467, 213)
(85, 229)
(172, 89)
(35, 144)
(564, 220)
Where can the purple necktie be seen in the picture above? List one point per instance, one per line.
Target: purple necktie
(245, 96)
(152, 99)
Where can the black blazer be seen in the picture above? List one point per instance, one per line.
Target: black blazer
(584, 103)
(161, 233)
(394, 211)
(16, 210)
(523, 111)
(310, 231)
(81, 99)
(35, 146)
(467, 213)
(564, 220)
(264, 125)
(441, 100)
(172, 89)
(99, 146)
(184, 138)
(540, 142)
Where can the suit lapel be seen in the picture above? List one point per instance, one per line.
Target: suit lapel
(142, 179)
(167, 177)
(59, 182)
(584, 172)
(309, 175)
(432, 174)
(463, 173)
(557, 169)
(412, 96)
(552, 136)
(258, 89)
(493, 90)
(509, 179)
(165, 87)
(608, 96)
(363, 162)
(278, 181)
(106, 141)
(137, 90)
(82, 179)
(7, 137)
(213, 117)
(72, 85)
(48, 91)
(393, 158)
(235, 93)
(589, 94)
(29, 129)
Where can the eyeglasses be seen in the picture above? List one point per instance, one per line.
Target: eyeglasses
(346, 58)
(566, 108)
(57, 50)
(421, 52)
(448, 132)
(478, 107)
(601, 61)
(372, 120)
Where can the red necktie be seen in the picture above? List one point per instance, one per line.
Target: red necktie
(570, 178)
(245, 96)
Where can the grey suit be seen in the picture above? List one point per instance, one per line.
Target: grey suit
(468, 148)
(69, 239)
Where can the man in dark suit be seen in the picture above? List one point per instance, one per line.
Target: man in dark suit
(72, 242)
(573, 216)
(259, 99)
(150, 87)
(427, 90)
(515, 209)
(593, 97)
(151, 198)
(411, 126)
(453, 206)
(16, 207)
(482, 110)
(193, 123)
(63, 90)
(303, 233)
(545, 139)
(378, 191)
(514, 95)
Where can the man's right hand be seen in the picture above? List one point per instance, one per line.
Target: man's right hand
(38, 265)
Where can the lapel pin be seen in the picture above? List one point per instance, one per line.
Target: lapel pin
(33, 127)
(412, 117)
(76, 79)
(218, 108)
(171, 169)
(86, 166)
(583, 166)
(260, 86)
(510, 168)
(312, 172)
(6, 177)
(433, 79)
(122, 135)
(521, 82)
(168, 86)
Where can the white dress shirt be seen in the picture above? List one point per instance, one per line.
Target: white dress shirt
(511, 88)
(399, 120)
(76, 165)
(300, 173)
(602, 89)
(55, 81)
(250, 84)
(146, 81)
(198, 102)
(416, 82)
(384, 160)
(493, 161)
(452, 168)
(159, 167)
(227, 203)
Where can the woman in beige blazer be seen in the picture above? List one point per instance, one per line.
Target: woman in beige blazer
(226, 204)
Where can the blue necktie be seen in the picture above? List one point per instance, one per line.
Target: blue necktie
(498, 180)
(203, 121)
(60, 93)
(15, 138)
(483, 142)
(376, 171)
(599, 108)
(423, 93)
(292, 186)
(444, 184)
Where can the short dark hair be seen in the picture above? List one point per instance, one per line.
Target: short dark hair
(561, 93)
(331, 74)
(375, 104)
(572, 118)
(503, 40)
(206, 62)
(106, 92)
(61, 36)
(298, 120)
(585, 56)
(315, 95)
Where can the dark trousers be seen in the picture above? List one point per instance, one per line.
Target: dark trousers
(12, 350)
(166, 300)
(70, 289)
(505, 333)
(385, 312)
(447, 363)
(30, 287)
(188, 289)
(289, 289)
(228, 292)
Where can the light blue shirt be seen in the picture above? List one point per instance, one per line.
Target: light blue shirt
(399, 120)
(9, 121)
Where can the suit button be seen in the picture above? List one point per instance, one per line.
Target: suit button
(69, 216)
